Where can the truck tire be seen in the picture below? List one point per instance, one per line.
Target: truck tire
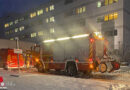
(71, 69)
(40, 69)
(115, 65)
(102, 67)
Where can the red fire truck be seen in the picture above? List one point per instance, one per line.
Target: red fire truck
(79, 53)
(9, 59)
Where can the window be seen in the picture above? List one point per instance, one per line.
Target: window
(7, 33)
(47, 9)
(100, 19)
(68, 1)
(6, 25)
(11, 31)
(115, 1)
(33, 35)
(52, 19)
(99, 4)
(11, 23)
(106, 18)
(110, 1)
(84, 9)
(21, 28)
(115, 15)
(39, 12)
(16, 29)
(111, 16)
(51, 7)
(47, 20)
(16, 21)
(11, 38)
(40, 33)
(21, 19)
(52, 30)
(32, 15)
(106, 2)
(81, 10)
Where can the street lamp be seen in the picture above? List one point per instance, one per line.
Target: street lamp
(17, 47)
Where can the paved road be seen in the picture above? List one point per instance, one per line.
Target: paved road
(36, 81)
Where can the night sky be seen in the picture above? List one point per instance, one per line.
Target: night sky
(18, 6)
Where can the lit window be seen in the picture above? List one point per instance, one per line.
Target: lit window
(16, 29)
(106, 2)
(110, 16)
(6, 25)
(47, 9)
(52, 19)
(80, 10)
(47, 20)
(110, 1)
(21, 28)
(11, 23)
(52, 30)
(40, 33)
(115, 15)
(39, 12)
(77, 10)
(32, 15)
(51, 7)
(16, 21)
(84, 9)
(33, 34)
(115, 0)
(99, 4)
(106, 18)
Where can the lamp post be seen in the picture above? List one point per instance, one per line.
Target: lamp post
(17, 47)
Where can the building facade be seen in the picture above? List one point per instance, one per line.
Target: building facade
(61, 18)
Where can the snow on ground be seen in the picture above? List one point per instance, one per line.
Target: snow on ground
(36, 81)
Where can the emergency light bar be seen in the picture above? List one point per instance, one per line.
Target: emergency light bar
(80, 36)
(66, 38)
(47, 41)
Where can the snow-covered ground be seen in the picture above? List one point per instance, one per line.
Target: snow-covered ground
(36, 81)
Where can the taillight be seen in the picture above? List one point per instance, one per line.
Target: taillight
(90, 60)
(77, 60)
(51, 60)
(91, 40)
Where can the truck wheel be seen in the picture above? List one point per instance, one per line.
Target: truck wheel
(40, 68)
(71, 70)
(115, 65)
(102, 67)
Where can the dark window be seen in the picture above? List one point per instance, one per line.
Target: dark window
(68, 1)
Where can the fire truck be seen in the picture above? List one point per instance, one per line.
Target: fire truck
(9, 59)
(85, 53)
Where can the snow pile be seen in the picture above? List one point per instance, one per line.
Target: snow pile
(119, 87)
